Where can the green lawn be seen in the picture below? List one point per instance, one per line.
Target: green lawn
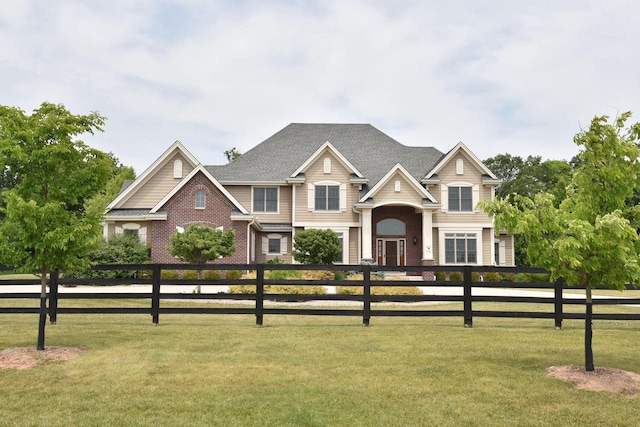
(221, 370)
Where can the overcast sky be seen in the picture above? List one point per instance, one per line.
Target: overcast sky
(518, 77)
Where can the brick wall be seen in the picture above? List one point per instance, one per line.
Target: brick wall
(413, 223)
(181, 212)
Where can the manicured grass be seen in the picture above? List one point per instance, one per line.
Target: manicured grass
(312, 371)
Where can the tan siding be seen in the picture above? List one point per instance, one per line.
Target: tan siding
(314, 174)
(509, 249)
(262, 257)
(407, 193)
(486, 247)
(353, 246)
(462, 218)
(157, 186)
(242, 194)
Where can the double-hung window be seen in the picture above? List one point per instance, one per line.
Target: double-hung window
(460, 248)
(327, 197)
(460, 199)
(265, 199)
(201, 199)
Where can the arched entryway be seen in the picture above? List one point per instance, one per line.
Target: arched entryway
(396, 235)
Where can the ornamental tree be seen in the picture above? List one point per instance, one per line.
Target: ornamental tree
(316, 246)
(46, 226)
(200, 243)
(587, 239)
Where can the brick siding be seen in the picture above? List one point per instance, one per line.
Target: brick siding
(181, 212)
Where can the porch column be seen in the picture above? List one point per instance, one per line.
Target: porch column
(427, 234)
(367, 254)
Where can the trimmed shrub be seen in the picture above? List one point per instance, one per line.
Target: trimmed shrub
(379, 290)
(279, 289)
(233, 274)
(455, 276)
(295, 290)
(338, 275)
(242, 289)
(190, 275)
(532, 277)
(492, 276)
(169, 274)
(283, 274)
(212, 275)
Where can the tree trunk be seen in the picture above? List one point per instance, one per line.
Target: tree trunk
(42, 321)
(588, 333)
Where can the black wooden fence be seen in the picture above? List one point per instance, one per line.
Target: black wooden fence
(365, 303)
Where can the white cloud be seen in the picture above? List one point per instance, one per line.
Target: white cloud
(501, 76)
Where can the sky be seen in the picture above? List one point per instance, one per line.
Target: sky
(502, 76)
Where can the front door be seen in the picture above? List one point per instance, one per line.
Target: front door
(391, 252)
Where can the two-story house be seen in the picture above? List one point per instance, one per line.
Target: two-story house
(389, 203)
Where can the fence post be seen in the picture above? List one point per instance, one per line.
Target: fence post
(559, 284)
(468, 308)
(259, 294)
(366, 295)
(53, 296)
(155, 293)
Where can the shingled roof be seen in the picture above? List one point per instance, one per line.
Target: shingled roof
(369, 150)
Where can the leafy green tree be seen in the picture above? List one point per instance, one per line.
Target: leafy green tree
(587, 239)
(528, 177)
(119, 174)
(200, 243)
(46, 225)
(316, 246)
(119, 249)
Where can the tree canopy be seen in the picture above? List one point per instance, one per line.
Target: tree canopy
(316, 246)
(46, 224)
(200, 243)
(587, 238)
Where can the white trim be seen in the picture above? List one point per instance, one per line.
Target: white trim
(327, 146)
(455, 230)
(151, 170)
(188, 178)
(342, 197)
(455, 150)
(398, 168)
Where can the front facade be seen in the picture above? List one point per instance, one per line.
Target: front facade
(389, 204)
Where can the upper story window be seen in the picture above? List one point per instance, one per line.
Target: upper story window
(201, 199)
(265, 199)
(327, 198)
(460, 199)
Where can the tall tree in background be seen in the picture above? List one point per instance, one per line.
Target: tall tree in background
(587, 239)
(232, 154)
(46, 225)
(528, 177)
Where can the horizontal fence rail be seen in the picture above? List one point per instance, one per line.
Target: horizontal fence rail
(468, 290)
